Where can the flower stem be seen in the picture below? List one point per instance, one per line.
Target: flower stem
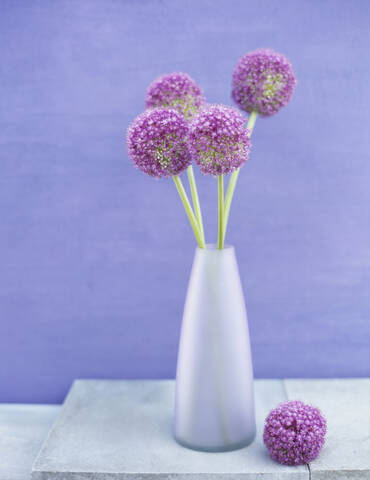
(194, 195)
(220, 240)
(188, 210)
(234, 176)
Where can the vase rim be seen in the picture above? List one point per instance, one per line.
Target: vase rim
(213, 247)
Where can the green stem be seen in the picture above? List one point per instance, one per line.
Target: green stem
(235, 174)
(188, 210)
(194, 196)
(220, 240)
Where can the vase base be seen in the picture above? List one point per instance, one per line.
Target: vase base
(224, 448)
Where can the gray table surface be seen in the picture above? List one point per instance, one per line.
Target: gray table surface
(23, 429)
(122, 430)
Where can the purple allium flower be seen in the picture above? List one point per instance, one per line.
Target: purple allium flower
(294, 433)
(264, 81)
(175, 90)
(218, 141)
(157, 142)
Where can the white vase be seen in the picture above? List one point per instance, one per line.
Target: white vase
(214, 408)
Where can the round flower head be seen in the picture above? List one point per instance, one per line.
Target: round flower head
(218, 141)
(264, 81)
(157, 142)
(294, 433)
(176, 90)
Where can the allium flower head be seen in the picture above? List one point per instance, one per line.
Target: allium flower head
(218, 140)
(264, 81)
(157, 142)
(294, 433)
(175, 90)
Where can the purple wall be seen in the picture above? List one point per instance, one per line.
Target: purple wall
(95, 257)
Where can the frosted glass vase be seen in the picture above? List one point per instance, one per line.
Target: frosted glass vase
(214, 407)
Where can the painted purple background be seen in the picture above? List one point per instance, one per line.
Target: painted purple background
(95, 257)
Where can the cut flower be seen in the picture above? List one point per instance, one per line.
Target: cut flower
(263, 81)
(177, 91)
(157, 142)
(294, 433)
(218, 141)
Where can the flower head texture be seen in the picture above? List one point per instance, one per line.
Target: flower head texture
(177, 91)
(218, 141)
(157, 142)
(263, 81)
(294, 433)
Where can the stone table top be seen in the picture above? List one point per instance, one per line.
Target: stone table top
(121, 430)
(23, 428)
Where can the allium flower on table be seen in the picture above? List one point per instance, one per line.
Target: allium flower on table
(263, 81)
(157, 143)
(294, 433)
(175, 90)
(218, 141)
